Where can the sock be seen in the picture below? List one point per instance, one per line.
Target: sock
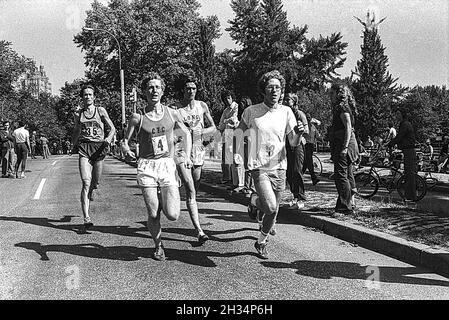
(262, 238)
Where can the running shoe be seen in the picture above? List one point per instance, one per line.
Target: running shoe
(202, 238)
(261, 249)
(91, 194)
(88, 223)
(22, 175)
(159, 253)
(273, 231)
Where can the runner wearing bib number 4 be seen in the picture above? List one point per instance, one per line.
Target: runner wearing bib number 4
(156, 169)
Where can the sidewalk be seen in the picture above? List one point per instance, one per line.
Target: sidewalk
(430, 219)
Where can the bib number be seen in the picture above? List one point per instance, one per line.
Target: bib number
(160, 145)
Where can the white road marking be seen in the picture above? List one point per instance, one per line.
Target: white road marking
(37, 195)
(54, 163)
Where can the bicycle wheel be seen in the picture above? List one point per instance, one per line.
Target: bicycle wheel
(421, 187)
(367, 185)
(317, 165)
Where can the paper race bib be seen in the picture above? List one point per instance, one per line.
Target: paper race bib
(160, 144)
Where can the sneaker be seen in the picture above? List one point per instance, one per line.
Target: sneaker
(159, 253)
(22, 176)
(91, 194)
(299, 205)
(273, 231)
(202, 238)
(88, 223)
(261, 250)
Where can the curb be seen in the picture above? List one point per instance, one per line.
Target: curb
(401, 249)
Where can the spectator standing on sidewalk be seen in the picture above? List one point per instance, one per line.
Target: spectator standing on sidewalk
(44, 143)
(269, 124)
(22, 146)
(311, 139)
(228, 122)
(406, 141)
(444, 155)
(7, 150)
(249, 183)
(295, 155)
(344, 148)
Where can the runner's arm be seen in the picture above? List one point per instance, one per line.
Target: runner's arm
(211, 128)
(133, 122)
(104, 115)
(184, 131)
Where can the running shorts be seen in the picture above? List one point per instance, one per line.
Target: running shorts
(156, 172)
(276, 177)
(198, 154)
(94, 151)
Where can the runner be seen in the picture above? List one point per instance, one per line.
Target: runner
(88, 139)
(156, 169)
(193, 113)
(268, 125)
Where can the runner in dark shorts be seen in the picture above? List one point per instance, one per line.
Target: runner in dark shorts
(89, 141)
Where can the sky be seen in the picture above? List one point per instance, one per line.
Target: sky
(415, 33)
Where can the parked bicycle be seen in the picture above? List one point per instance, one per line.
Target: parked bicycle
(427, 166)
(369, 180)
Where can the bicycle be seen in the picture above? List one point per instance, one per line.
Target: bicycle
(369, 181)
(428, 166)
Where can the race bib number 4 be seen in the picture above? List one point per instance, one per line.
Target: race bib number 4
(160, 144)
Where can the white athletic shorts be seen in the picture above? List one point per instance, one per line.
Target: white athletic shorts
(198, 154)
(156, 172)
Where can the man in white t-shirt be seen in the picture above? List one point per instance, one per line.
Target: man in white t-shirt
(267, 125)
(22, 147)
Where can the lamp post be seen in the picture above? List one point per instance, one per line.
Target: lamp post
(122, 76)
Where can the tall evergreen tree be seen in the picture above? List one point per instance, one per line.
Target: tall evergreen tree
(375, 90)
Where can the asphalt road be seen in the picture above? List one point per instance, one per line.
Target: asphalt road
(45, 255)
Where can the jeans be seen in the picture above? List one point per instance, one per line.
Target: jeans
(409, 172)
(308, 161)
(7, 160)
(295, 161)
(344, 182)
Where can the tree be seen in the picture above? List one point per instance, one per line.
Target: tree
(268, 42)
(375, 90)
(12, 66)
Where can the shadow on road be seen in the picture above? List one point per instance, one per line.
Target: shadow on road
(79, 228)
(350, 270)
(128, 253)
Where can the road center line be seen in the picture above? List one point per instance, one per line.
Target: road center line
(37, 195)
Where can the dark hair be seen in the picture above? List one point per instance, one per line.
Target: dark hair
(404, 112)
(21, 123)
(390, 124)
(274, 74)
(246, 102)
(225, 94)
(151, 76)
(84, 87)
(294, 97)
(188, 78)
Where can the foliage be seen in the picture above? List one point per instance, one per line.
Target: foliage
(375, 90)
(12, 66)
(268, 42)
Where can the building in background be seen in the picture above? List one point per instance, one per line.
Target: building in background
(35, 82)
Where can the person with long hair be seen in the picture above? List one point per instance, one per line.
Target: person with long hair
(344, 148)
